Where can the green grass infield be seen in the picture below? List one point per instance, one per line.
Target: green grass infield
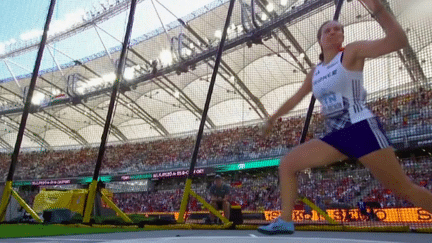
(38, 230)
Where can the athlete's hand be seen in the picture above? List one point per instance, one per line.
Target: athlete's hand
(373, 5)
(267, 127)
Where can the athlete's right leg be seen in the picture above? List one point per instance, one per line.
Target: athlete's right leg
(385, 167)
(308, 155)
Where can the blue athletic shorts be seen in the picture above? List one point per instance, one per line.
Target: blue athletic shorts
(359, 139)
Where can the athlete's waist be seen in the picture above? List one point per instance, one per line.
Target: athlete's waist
(352, 114)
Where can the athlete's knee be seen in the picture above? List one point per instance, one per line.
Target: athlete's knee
(289, 165)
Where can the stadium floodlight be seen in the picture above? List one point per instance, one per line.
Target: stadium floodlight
(166, 57)
(55, 91)
(270, 7)
(302, 55)
(263, 17)
(239, 29)
(138, 69)
(95, 82)
(186, 52)
(218, 34)
(284, 2)
(38, 98)
(80, 90)
(109, 77)
(129, 73)
(108, 84)
(177, 94)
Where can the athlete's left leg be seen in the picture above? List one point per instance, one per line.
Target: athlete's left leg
(385, 167)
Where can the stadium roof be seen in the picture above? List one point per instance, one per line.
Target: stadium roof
(167, 99)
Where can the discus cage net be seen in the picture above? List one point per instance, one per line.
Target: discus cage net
(270, 46)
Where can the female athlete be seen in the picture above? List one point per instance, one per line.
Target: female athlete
(352, 130)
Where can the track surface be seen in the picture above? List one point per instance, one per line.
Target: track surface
(231, 236)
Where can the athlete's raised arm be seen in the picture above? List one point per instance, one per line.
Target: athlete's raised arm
(395, 37)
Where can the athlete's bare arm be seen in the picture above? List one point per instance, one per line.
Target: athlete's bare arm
(395, 38)
(292, 102)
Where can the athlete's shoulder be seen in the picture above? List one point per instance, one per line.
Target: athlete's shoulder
(313, 69)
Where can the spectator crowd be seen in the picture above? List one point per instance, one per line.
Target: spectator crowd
(402, 115)
(328, 188)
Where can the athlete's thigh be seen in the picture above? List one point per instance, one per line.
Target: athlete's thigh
(385, 167)
(314, 153)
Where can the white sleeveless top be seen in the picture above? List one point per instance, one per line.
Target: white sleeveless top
(341, 94)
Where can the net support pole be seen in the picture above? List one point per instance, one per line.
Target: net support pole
(312, 102)
(187, 190)
(93, 189)
(28, 102)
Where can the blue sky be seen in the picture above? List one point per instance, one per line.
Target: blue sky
(22, 16)
(24, 19)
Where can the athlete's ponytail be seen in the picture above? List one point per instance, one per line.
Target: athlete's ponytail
(321, 57)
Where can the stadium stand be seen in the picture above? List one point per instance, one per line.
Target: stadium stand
(221, 146)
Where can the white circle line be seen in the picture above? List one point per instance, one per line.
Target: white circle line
(281, 238)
